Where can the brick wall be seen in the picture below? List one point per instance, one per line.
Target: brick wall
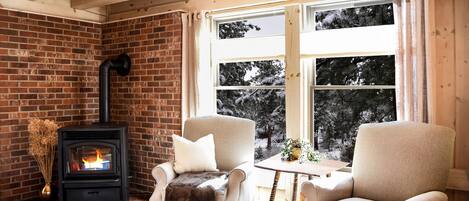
(48, 69)
(149, 98)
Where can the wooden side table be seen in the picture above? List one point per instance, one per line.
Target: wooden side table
(275, 163)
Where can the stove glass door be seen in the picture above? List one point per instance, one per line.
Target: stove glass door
(90, 158)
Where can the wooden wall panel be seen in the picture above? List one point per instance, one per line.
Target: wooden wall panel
(451, 81)
(445, 69)
(461, 29)
(462, 82)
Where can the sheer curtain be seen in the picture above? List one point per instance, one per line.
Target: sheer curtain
(198, 96)
(411, 72)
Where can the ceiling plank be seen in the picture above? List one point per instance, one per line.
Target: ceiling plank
(57, 8)
(154, 10)
(135, 5)
(85, 4)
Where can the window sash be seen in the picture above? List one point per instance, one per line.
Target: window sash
(380, 40)
(258, 48)
(371, 40)
(248, 87)
(352, 87)
(311, 8)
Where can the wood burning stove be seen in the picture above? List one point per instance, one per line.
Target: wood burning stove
(92, 159)
(93, 163)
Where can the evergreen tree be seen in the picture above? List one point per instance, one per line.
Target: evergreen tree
(337, 113)
(265, 106)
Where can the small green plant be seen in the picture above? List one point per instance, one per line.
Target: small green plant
(291, 147)
(258, 153)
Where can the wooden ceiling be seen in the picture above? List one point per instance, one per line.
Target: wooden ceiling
(118, 6)
(102, 11)
(85, 4)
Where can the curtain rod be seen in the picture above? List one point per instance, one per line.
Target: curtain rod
(285, 3)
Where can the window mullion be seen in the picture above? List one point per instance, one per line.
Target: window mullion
(293, 88)
(351, 87)
(248, 87)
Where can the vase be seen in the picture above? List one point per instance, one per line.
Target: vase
(46, 192)
(295, 153)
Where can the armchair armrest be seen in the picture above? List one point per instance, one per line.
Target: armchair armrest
(336, 187)
(163, 174)
(239, 183)
(430, 196)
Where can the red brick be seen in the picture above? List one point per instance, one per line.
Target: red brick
(129, 98)
(52, 70)
(30, 82)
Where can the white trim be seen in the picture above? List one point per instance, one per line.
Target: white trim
(351, 41)
(249, 10)
(351, 87)
(342, 4)
(247, 59)
(306, 100)
(387, 46)
(248, 87)
(237, 16)
(347, 54)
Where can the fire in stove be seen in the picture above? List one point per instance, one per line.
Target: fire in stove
(90, 158)
(95, 162)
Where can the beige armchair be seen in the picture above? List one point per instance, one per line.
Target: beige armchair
(393, 161)
(234, 152)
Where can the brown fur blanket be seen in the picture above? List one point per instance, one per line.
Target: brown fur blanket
(200, 186)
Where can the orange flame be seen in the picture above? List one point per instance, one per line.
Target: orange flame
(94, 162)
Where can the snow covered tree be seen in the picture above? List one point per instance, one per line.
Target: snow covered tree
(265, 106)
(338, 113)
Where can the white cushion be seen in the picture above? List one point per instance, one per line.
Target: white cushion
(195, 156)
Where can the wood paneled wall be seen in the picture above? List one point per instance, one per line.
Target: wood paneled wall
(449, 38)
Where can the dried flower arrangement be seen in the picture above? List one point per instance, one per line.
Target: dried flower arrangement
(42, 145)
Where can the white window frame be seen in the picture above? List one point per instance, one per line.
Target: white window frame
(216, 42)
(300, 117)
(278, 54)
(309, 59)
(299, 107)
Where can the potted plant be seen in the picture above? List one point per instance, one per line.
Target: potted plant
(42, 146)
(294, 149)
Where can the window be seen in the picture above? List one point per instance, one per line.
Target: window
(346, 77)
(252, 86)
(350, 91)
(372, 15)
(248, 27)
(354, 82)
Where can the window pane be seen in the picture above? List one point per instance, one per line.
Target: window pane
(252, 73)
(266, 107)
(355, 17)
(269, 25)
(338, 113)
(365, 70)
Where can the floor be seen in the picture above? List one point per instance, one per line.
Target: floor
(139, 197)
(262, 194)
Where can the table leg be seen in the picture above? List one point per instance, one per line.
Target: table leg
(295, 186)
(310, 177)
(274, 186)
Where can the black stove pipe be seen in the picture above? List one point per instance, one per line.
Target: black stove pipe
(122, 65)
